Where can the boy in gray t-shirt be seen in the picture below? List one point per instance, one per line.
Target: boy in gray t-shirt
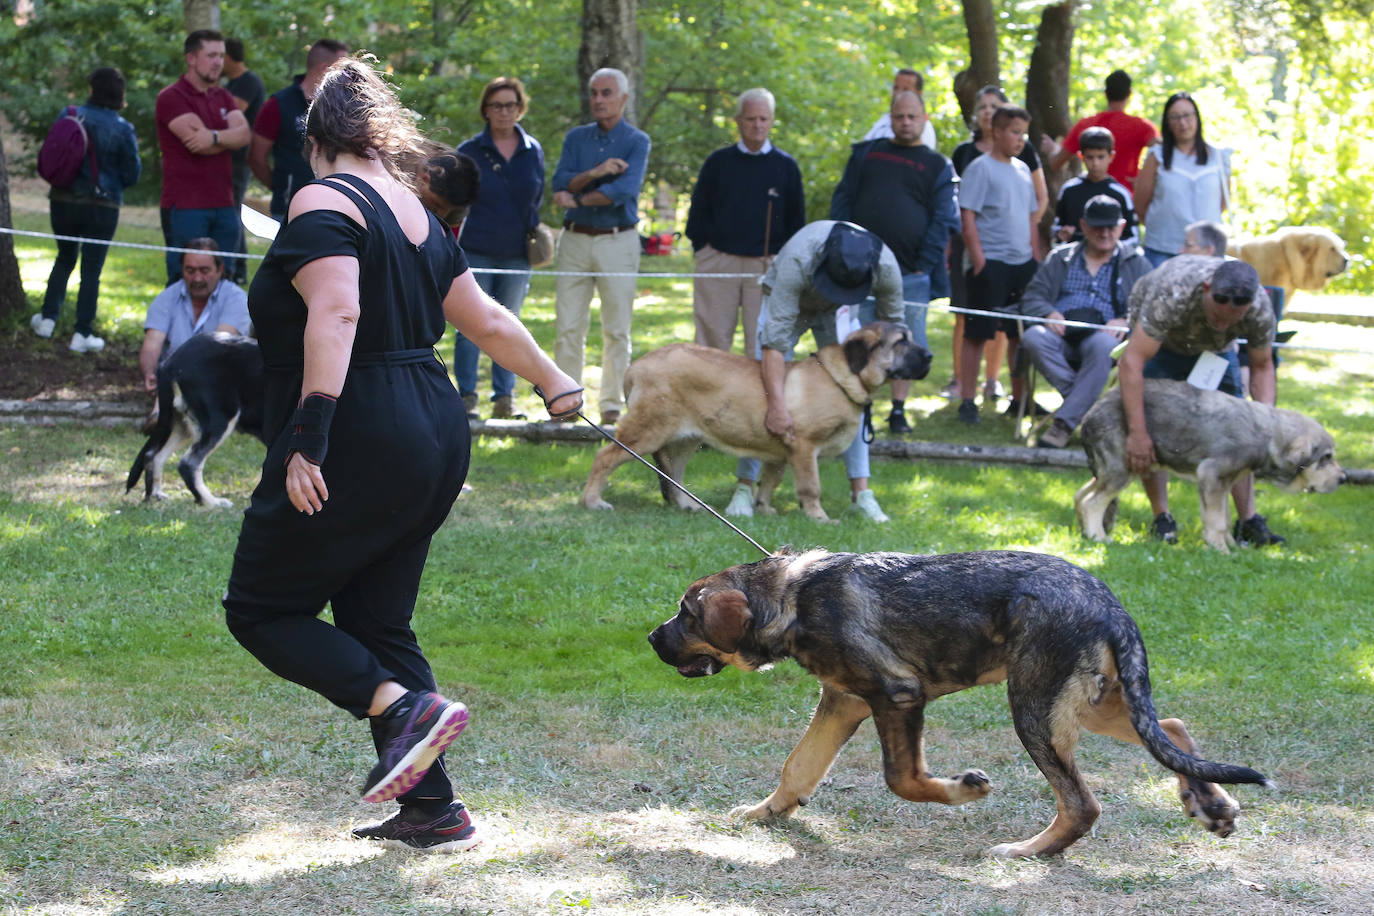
(997, 208)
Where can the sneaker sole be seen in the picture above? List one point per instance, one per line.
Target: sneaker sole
(447, 848)
(411, 768)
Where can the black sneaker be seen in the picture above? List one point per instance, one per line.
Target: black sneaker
(420, 725)
(968, 411)
(897, 424)
(1253, 532)
(1014, 407)
(452, 830)
(1164, 528)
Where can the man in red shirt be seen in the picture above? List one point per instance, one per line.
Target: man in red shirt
(198, 126)
(1131, 134)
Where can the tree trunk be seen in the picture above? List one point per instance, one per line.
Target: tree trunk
(983, 70)
(11, 288)
(1047, 91)
(609, 39)
(200, 14)
(1047, 80)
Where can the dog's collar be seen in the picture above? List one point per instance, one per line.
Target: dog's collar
(866, 402)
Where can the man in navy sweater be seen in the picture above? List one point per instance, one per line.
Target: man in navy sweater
(747, 202)
(904, 193)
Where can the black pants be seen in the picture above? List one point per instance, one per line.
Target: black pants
(92, 221)
(397, 458)
(997, 288)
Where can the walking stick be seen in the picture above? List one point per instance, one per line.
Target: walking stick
(768, 226)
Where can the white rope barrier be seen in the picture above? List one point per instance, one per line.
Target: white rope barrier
(664, 275)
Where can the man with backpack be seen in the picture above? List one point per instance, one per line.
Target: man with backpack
(199, 125)
(89, 157)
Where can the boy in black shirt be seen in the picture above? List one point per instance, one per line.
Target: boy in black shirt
(1095, 148)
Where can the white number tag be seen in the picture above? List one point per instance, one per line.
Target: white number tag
(1208, 371)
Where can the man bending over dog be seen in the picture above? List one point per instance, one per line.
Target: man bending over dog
(826, 265)
(1185, 316)
(203, 301)
(1088, 281)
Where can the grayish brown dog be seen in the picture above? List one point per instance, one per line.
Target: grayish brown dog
(886, 633)
(1208, 436)
(684, 394)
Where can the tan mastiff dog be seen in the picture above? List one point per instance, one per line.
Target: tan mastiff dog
(1294, 257)
(684, 394)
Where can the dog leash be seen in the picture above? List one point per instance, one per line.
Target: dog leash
(640, 458)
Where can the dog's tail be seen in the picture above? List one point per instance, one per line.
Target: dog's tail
(1134, 672)
(161, 432)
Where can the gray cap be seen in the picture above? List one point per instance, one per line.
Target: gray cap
(1102, 210)
(1235, 279)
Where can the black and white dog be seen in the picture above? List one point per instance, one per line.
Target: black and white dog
(210, 386)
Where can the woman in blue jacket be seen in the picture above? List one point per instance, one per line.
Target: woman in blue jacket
(495, 233)
(89, 208)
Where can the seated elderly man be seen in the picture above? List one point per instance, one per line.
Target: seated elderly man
(1088, 281)
(201, 302)
(1206, 238)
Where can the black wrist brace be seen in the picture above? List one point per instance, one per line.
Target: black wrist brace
(310, 427)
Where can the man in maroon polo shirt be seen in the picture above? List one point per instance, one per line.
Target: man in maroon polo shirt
(198, 126)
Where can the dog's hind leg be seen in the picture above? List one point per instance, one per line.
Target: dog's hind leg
(1046, 716)
(1212, 805)
(192, 464)
(1095, 505)
(836, 718)
(635, 434)
(900, 727)
(180, 435)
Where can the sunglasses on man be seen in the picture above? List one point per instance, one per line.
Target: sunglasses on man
(1237, 301)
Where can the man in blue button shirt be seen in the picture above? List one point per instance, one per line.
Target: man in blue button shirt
(597, 181)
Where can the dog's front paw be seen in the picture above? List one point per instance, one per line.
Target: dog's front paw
(155, 495)
(597, 503)
(219, 502)
(761, 509)
(1219, 540)
(1212, 805)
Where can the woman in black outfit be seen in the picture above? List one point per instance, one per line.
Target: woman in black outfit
(371, 443)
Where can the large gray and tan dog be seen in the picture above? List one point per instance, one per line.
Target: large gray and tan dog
(1208, 436)
(684, 394)
(886, 633)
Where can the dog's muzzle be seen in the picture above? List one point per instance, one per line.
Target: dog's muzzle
(914, 364)
(668, 645)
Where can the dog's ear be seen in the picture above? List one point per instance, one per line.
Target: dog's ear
(1298, 248)
(856, 352)
(726, 618)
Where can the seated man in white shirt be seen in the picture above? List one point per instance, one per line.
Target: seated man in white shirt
(201, 302)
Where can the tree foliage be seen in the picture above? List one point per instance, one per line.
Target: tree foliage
(1284, 82)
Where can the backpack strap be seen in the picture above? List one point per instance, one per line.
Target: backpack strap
(90, 151)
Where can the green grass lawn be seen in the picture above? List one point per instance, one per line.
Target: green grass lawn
(149, 764)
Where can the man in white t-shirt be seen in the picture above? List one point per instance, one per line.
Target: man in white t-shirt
(904, 80)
